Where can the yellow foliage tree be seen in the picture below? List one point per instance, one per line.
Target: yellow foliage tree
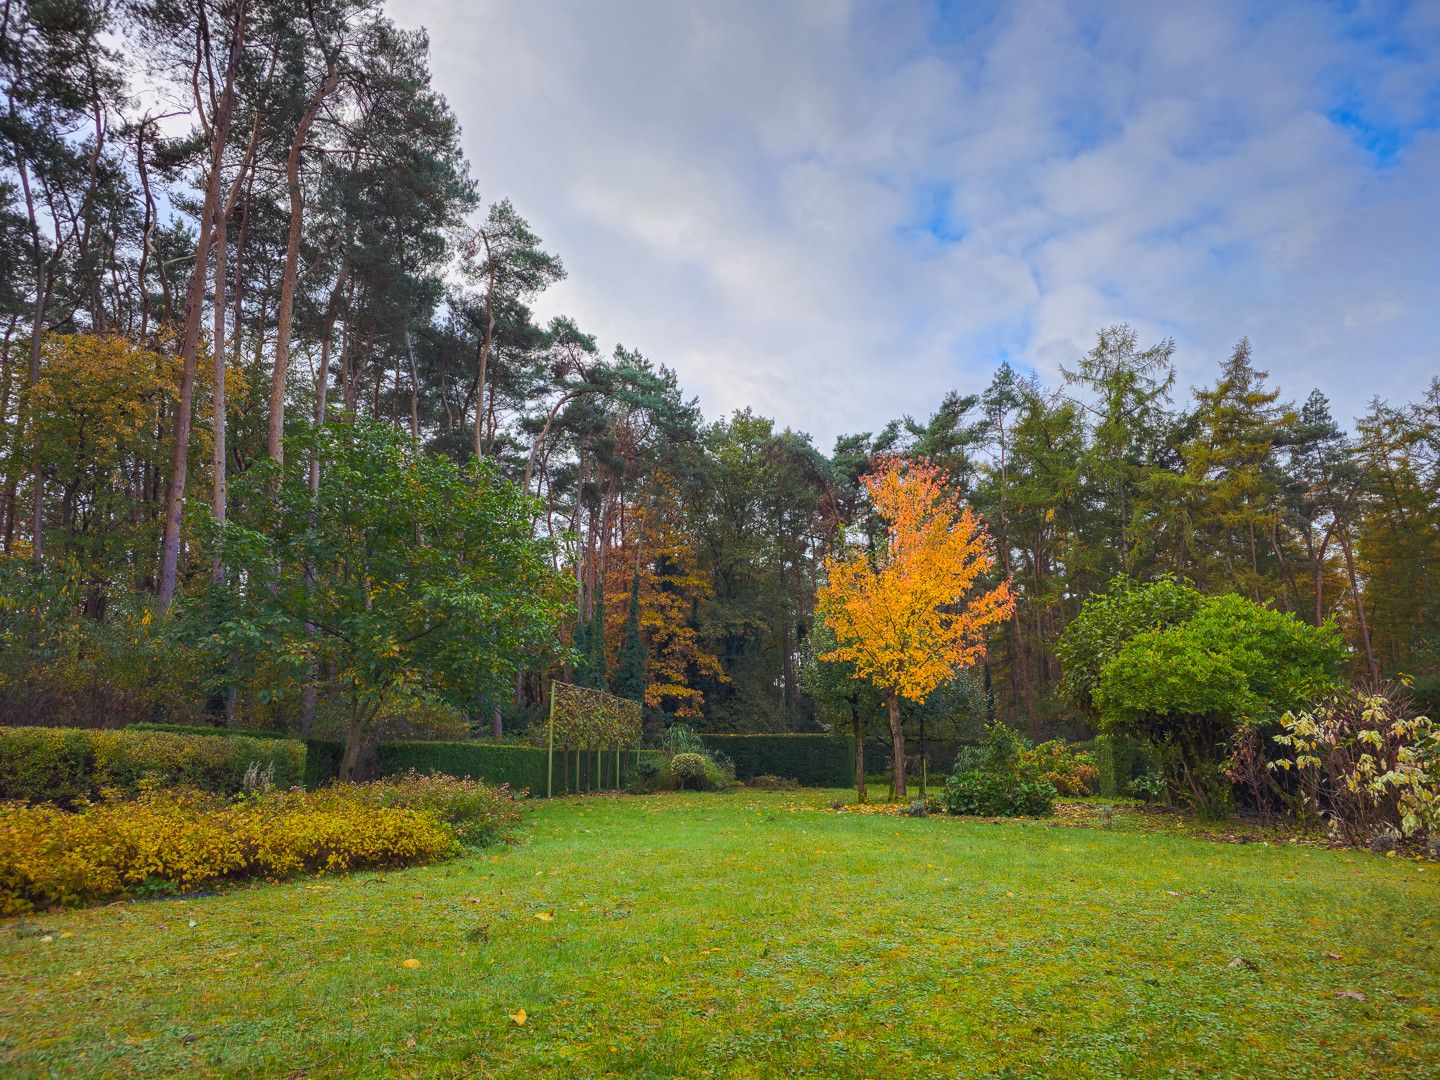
(909, 616)
(671, 585)
(97, 414)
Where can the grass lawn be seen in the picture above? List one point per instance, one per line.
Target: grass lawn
(758, 934)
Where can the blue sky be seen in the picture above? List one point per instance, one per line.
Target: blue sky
(835, 211)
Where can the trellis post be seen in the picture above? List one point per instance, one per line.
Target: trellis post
(550, 756)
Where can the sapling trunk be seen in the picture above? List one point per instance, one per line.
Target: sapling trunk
(897, 743)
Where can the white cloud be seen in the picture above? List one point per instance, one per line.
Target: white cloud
(742, 190)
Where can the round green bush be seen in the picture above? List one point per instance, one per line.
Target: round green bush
(687, 771)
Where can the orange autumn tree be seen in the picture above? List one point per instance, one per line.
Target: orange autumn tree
(658, 556)
(910, 615)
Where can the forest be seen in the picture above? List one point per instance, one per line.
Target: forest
(266, 343)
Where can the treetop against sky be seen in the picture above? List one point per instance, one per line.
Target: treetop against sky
(832, 209)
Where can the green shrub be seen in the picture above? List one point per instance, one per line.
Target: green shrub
(1148, 787)
(995, 795)
(809, 760)
(688, 771)
(1120, 760)
(647, 775)
(67, 765)
(322, 756)
(1003, 776)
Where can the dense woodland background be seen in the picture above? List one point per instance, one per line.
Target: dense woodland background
(223, 222)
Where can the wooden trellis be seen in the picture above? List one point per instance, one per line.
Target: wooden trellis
(590, 721)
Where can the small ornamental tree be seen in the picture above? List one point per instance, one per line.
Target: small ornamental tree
(400, 574)
(909, 615)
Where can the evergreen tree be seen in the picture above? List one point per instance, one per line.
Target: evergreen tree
(630, 674)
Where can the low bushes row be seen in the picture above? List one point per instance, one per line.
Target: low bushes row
(72, 765)
(174, 840)
(322, 756)
(810, 760)
(521, 767)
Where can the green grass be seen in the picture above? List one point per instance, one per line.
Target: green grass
(757, 935)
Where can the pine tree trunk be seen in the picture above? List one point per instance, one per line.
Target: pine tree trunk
(1360, 619)
(285, 314)
(190, 345)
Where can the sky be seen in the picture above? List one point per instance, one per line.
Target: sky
(835, 211)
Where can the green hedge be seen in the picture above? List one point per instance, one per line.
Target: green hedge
(811, 760)
(940, 754)
(64, 765)
(1120, 759)
(322, 756)
(507, 763)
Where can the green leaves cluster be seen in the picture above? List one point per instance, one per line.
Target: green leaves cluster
(1233, 659)
(1108, 620)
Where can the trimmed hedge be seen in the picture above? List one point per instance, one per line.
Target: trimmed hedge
(810, 760)
(166, 841)
(66, 765)
(941, 754)
(522, 767)
(322, 756)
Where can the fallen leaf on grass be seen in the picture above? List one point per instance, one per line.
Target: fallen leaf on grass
(411, 963)
(519, 1018)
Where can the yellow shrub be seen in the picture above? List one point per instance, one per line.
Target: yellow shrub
(51, 858)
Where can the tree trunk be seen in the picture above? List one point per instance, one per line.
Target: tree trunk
(190, 345)
(218, 419)
(482, 374)
(1360, 619)
(354, 731)
(414, 389)
(862, 789)
(897, 744)
(286, 313)
(217, 391)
